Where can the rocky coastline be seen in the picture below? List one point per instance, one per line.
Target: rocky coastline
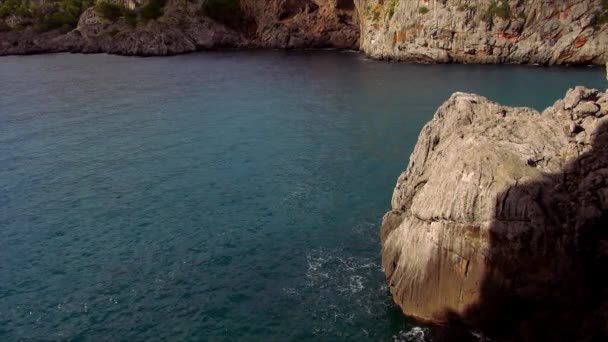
(185, 27)
(515, 245)
(569, 32)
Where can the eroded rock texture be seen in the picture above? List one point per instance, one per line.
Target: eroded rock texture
(427, 31)
(185, 27)
(305, 23)
(486, 31)
(501, 219)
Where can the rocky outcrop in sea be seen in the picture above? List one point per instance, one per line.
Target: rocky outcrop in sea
(500, 221)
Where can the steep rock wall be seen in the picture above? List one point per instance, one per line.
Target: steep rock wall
(486, 31)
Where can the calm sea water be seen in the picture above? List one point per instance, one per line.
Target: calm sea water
(221, 196)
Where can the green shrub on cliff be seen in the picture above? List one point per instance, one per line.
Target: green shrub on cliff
(113, 12)
(499, 9)
(110, 11)
(220, 9)
(601, 16)
(56, 20)
(47, 15)
(153, 10)
(130, 17)
(4, 27)
(390, 10)
(20, 8)
(423, 10)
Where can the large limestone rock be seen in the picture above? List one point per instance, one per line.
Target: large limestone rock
(486, 31)
(501, 219)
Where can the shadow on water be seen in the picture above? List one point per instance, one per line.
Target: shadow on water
(548, 281)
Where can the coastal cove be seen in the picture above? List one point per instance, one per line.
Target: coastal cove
(230, 195)
(567, 32)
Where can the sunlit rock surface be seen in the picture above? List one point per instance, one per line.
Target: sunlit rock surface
(501, 218)
(486, 31)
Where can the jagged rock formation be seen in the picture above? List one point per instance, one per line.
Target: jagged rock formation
(184, 26)
(501, 219)
(486, 31)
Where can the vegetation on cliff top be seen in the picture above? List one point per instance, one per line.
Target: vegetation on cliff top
(220, 9)
(64, 14)
(43, 16)
(152, 10)
(110, 11)
(113, 11)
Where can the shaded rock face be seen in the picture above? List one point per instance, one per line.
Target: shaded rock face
(305, 23)
(500, 221)
(184, 27)
(486, 31)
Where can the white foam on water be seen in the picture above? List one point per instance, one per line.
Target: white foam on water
(480, 337)
(356, 284)
(415, 334)
(290, 291)
(337, 278)
(330, 268)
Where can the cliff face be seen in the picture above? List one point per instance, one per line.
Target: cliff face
(180, 26)
(428, 31)
(304, 23)
(501, 219)
(486, 31)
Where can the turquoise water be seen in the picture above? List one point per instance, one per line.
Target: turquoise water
(221, 196)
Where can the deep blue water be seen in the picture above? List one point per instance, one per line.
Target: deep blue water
(220, 196)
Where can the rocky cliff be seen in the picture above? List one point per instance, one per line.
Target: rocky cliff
(486, 31)
(159, 27)
(501, 219)
(428, 31)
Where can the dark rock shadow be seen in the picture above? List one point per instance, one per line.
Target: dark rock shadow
(547, 280)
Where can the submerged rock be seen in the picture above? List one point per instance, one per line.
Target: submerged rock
(500, 220)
